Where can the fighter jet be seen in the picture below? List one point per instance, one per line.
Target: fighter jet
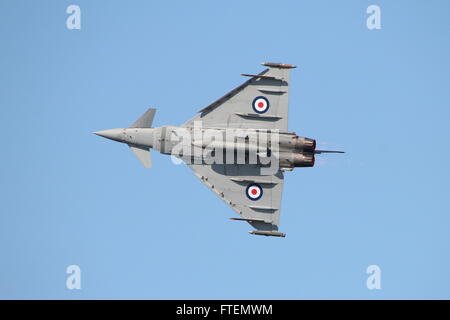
(239, 146)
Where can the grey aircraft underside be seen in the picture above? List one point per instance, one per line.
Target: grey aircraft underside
(251, 148)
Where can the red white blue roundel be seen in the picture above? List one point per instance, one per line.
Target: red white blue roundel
(254, 191)
(260, 104)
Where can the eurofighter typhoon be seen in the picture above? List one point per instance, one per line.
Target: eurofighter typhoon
(239, 146)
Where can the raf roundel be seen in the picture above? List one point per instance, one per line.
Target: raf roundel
(260, 104)
(254, 191)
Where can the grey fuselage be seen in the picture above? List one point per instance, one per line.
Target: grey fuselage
(291, 150)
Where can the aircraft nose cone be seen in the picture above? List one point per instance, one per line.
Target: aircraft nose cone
(113, 134)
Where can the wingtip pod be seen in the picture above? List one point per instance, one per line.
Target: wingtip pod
(268, 233)
(278, 65)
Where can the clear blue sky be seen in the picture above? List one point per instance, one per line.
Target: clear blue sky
(70, 197)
